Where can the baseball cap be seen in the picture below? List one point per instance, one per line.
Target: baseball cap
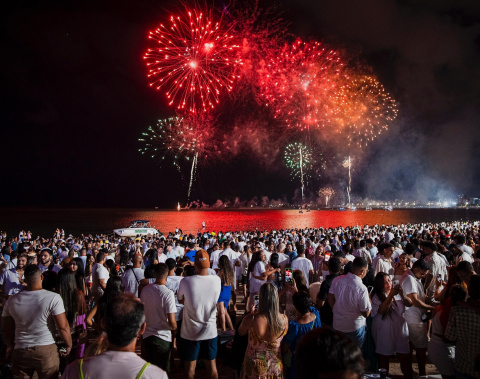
(202, 259)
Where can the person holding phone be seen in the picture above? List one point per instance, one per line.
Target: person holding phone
(389, 328)
(258, 275)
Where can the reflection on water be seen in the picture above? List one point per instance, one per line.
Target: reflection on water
(86, 221)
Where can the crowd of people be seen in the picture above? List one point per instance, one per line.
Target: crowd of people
(318, 302)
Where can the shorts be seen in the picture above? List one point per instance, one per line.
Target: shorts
(417, 334)
(205, 349)
(244, 280)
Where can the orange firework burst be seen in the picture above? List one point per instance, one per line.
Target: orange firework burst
(300, 82)
(193, 61)
(363, 109)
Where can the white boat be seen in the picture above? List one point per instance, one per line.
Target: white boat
(368, 208)
(137, 228)
(389, 208)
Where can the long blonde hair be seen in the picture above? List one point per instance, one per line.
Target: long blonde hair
(268, 306)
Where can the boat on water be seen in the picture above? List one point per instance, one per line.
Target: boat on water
(389, 208)
(368, 208)
(137, 228)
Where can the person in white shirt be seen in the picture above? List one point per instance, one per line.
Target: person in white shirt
(348, 297)
(171, 252)
(160, 309)
(372, 248)
(258, 276)
(438, 269)
(46, 261)
(383, 262)
(199, 294)
(215, 255)
(132, 277)
(303, 264)
(173, 283)
(100, 276)
(11, 280)
(417, 328)
(460, 239)
(124, 323)
(30, 315)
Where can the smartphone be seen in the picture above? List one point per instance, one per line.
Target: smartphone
(288, 275)
(439, 276)
(395, 283)
(255, 302)
(327, 257)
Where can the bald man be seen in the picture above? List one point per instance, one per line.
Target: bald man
(132, 277)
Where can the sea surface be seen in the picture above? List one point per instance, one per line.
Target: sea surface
(42, 221)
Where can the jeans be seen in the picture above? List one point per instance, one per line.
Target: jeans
(358, 336)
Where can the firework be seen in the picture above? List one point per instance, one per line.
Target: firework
(193, 60)
(298, 158)
(363, 110)
(326, 192)
(181, 140)
(299, 84)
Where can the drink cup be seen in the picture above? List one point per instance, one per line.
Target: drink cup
(383, 373)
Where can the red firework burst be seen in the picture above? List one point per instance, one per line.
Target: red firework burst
(193, 60)
(300, 82)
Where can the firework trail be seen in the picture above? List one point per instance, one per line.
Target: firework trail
(298, 158)
(326, 192)
(347, 163)
(192, 60)
(363, 110)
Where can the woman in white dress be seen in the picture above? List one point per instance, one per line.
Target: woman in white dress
(389, 328)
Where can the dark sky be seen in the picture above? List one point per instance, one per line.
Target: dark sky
(75, 99)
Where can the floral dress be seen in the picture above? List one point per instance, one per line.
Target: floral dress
(263, 359)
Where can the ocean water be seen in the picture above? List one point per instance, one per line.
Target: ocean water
(44, 221)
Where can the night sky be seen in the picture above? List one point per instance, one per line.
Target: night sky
(75, 100)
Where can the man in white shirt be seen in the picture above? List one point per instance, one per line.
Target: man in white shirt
(199, 294)
(11, 280)
(124, 323)
(460, 239)
(417, 328)
(349, 300)
(173, 283)
(215, 256)
(372, 248)
(131, 278)
(383, 262)
(46, 261)
(303, 264)
(29, 314)
(171, 252)
(438, 269)
(160, 309)
(100, 276)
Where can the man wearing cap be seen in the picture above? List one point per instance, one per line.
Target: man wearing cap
(199, 295)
